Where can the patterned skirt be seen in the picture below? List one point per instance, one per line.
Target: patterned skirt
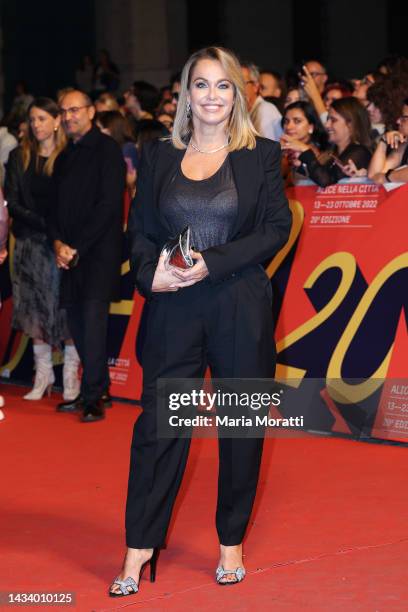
(36, 283)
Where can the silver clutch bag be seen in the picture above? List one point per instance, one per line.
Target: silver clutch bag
(177, 250)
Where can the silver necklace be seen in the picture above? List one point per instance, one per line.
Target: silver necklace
(212, 150)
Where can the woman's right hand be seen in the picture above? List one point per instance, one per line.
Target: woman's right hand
(164, 279)
(289, 143)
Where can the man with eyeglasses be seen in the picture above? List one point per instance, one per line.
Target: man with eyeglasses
(319, 74)
(264, 115)
(86, 230)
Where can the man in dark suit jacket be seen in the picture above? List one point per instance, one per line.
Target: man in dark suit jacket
(86, 229)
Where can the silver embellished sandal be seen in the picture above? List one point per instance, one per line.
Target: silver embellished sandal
(220, 573)
(129, 586)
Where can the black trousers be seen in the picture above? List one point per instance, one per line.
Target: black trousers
(229, 327)
(88, 325)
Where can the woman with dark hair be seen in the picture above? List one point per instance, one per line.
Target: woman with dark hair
(301, 126)
(387, 95)
(36, 278)
(218, 177)
(390, 159)
(348, 127)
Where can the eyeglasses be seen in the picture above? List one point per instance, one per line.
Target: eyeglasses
(403, 118)
(73, 110)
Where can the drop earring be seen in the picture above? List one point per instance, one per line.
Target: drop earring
(188, 109)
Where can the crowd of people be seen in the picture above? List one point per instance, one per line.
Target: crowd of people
(328, 129)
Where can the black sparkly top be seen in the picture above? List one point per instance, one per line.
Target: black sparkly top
(208, 206)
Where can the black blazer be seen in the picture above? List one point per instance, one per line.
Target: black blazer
(89, 180)
(262, 226)
(27, 222)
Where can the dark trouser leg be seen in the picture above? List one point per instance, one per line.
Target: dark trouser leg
(75, 326)
(88, 324)
(241, 345)
(173, 348)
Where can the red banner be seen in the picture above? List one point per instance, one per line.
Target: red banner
(343, 282)
(344, 312)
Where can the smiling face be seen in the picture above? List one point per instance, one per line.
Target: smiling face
(296, 125)
(337, 128)
(77, 115)
(211, 93)
(42, 124)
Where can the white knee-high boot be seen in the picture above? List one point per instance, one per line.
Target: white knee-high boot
(44, 373)
(72, 384)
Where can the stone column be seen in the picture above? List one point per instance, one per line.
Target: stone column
(146, 38)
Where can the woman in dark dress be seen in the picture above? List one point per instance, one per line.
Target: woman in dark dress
(29, 192)
(217, 176)
(348, 127)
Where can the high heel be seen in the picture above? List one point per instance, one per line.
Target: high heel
(44, 374)
(220, 573)
(153, 564)
(129, 586)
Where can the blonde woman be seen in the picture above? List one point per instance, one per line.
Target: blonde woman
(218, 177)
(29, 192)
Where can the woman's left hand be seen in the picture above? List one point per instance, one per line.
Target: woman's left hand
(192, 275)
(350, 169)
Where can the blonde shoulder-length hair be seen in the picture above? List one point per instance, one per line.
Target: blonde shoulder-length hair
(241, 131)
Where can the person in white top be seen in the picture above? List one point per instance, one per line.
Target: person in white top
(264, 115)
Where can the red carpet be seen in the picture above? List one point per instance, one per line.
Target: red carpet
(329, 529)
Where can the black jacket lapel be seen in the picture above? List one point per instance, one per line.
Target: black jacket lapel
(245, 168)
